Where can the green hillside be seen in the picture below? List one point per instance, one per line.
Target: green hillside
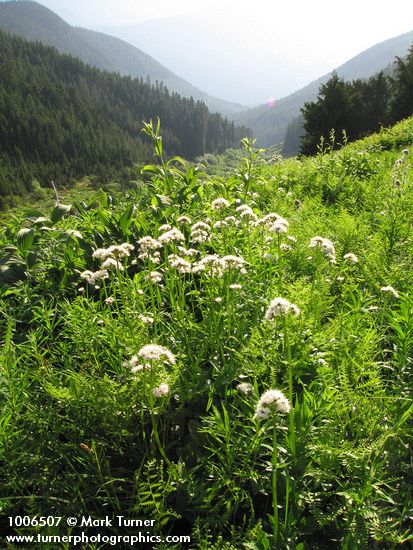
(34, 22)
(229, 358)
(62, 119)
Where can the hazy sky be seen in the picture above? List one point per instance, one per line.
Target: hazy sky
(337, 30)
(318, 35)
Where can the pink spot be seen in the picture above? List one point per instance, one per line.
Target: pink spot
(271, 102)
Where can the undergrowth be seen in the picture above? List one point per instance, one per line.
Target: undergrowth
(228, 356)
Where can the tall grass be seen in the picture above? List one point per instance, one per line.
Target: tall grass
(139, 340)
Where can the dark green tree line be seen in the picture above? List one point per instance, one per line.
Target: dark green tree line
(60, 118)
(360, 107)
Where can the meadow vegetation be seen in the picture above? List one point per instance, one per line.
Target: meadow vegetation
(230, 356)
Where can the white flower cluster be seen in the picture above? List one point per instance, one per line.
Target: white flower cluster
(232, 220)
(279, 226)
(93, 276)
(110, 258)
(149, 249)
(112, 263)
(274, 223)
(154, 277)
(228, 221)
(219, 204)
(183, 220)
(114, 252)
(161, 391)
(351, 258)
(200, 232)
(210, 263)
(171, 236)
(216, 265)
(180, 264)
(245, 387)
(148, 243)
(135, 364)
(146, 319)
(271, 219)
(235, 286)
(153, 352)
(164, 228)
(270, 402)
(234, 262)
(280, 307)
(390, 290)
(246, 213)
(326, 246)
(188, 252)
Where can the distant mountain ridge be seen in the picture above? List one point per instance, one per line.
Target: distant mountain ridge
(227, 55)
(269, 124)
(35, 22)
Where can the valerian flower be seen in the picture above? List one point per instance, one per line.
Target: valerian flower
(279, 226)
(173, 235)
(180, 264)
(280, 307)
(154, 277)
(351, 258)
(390, 290)
(210, 263)
(161, 391)
(110, 263)
(154, 352)
(115, 251)
(219, 204)
(146, 319)
(326, 246)
(93, 276)
(148, 243)
(270, 402)
(245, 387)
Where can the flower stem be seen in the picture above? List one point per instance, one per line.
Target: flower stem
(288, 359)
(151, 403)
(274, 463)
(280, 264)
(158, 441)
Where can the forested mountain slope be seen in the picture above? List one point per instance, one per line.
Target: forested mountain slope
(62, 118)
(35, 22)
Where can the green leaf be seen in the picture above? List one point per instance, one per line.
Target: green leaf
(42, 220)
(164, 199)
(12, 268)
(126, 219)
(151, 169)
(155, 201)
(177, 159)
(59, 211)
(32, 213)
(25, 238)
(73, 234)
(58, 393)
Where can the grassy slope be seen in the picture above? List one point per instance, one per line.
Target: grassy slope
(82, 434)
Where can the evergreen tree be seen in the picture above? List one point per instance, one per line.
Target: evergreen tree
(402, 88)
(357, 108)
(330, 111)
